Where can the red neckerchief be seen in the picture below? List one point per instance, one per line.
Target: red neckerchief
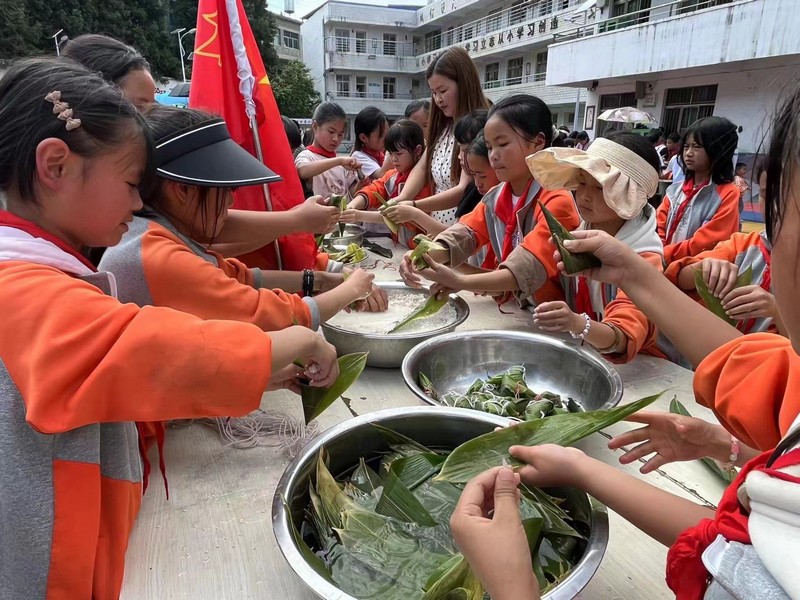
(689, 191)
(378, 157)
(766, 281)
(399, 181)
(8, 219)
(321, 151)
(687, 576)
(507, 213)
(583, 300)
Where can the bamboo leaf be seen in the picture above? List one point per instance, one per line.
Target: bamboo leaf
(398, 502)
(393, 227)
(398, 439)
(427, 386)
(533, 532)
(484, 452)
(414, 470)
(316, 399)
(713, 303)
(314, 561)
(453, 580)
(443, 570)
(430, 308)
(424, 245)
(727, 475)
(574, 262)
(365, 479)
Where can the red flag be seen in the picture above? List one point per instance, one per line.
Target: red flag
(218, 88)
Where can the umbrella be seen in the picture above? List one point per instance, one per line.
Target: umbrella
(628, 114)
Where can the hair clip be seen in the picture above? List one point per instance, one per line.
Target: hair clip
(62, 110)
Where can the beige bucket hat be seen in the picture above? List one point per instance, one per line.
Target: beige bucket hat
(627, 179)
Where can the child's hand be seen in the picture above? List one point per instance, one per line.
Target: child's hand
(440, 291)
(409, 273)
(360, 283)
(719, 275)
(550, 465)
(443, 275)
(671, 438)
(349, 215)
(618, 258)
(322, 367)
(349, 163)
(315, 217)
(286, 379)
(359, 202)
(377, 301)
(557, 316)
(749, 302)
(401, 213)
(495, 546)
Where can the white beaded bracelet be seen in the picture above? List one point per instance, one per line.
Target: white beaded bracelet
(582, 335)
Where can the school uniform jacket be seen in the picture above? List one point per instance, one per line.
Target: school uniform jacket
(711, 217)
(389, 186)
(531, 260)
(747, 251)
(609, 304)
(156, 265)
(77, 367)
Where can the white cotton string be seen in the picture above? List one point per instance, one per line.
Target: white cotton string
(260, 428)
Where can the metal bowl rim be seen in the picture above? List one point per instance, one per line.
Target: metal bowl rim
(617, 387)
(462, 313)
(590, 561)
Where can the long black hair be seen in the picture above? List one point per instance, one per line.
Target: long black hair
(783, 158)
(164, 121)
(718, 137)
(417, 105)
(105, 55)
(469, 126)
(404, 135)
(368, 120)
(527, 115)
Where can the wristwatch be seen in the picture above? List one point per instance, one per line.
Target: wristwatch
(308, 282)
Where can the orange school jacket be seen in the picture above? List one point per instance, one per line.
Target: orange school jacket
(156, 265)
(77, 368)
(711, 217)
(745, 251)
(487, 229)
(752, 384)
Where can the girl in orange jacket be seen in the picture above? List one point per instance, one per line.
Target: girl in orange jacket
(77, 367)
(517, 126)
(702, 210)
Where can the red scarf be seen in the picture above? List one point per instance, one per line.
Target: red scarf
(689, 191)
(583, 300)
(506, 211)
(321, 151)
(687, 576)
(378, 157)
(8, 219)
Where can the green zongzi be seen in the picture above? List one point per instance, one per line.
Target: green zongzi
(573, 262)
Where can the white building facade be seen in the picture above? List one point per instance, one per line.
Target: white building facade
(287, 37)
(682, 60)
(362, 55)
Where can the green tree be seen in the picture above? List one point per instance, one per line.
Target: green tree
(16, 39)
(294, 90)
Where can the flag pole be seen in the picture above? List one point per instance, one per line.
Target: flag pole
(246, 83)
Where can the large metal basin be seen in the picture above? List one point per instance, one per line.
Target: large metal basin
(456, 360)
(353, 234)
(441, 428)
(388, 351)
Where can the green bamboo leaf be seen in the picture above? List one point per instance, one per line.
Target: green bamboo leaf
(314, 561)
(713, 303)
(424, 245)
(365, 479)
(430, 308)
(352, 254)
(414, 470)
(339, 202)
(393, 227)
(538, 409)
(316, 399)
(398, 502)
(484, 452)
(427, 386)
(443, 570)
(398, 439)
(677, 408)
(533, 532)
(455, 580)
(332, 500)
(319, 239)
(573, 262)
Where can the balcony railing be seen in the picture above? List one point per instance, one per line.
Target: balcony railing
(531, 84)
(541, 8)
(510, 81)
(353, 102)
(371, 55)
(367, 47)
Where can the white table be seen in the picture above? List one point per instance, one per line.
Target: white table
(213, 538)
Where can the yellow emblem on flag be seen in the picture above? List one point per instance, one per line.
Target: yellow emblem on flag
(210, 18)
(264, 80)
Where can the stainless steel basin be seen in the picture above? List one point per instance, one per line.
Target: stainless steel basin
(454, 361)
(443, 428)
(353, 234)
(385, 350)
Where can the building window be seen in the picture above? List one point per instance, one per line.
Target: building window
(361, 86)
(545, 7)
(518, 12)
(433, 41)
(625, 13)
(389, 84)
(291, 39)
(343, 86)
(342, 40)
(469, 32)
(683, 106)
(688, 6)
(514, 71)
(492, 79)
(277, 40)
(541, 66)
(389, 44)
(361, 42)
(564, 4)
(493, 21)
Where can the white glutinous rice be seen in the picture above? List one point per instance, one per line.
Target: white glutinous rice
(400, 306)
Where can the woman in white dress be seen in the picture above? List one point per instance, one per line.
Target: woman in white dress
(456, 91)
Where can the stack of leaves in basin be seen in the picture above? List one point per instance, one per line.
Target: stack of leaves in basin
(382, 529)
(352, 254)
(506, 394)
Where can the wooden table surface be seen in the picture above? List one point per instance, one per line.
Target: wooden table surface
(213, 538)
